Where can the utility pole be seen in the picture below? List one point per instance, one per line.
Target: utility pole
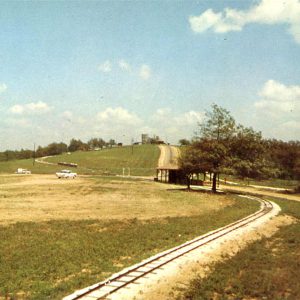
(33, 154)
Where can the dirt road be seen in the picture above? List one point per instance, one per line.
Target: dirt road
(168, 156)
(41, 160)
(259, 191)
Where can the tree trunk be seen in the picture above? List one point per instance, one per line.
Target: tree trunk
(214, 184)
(188, 182)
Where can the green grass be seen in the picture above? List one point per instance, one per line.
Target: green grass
(267, 269)
(141, 159)
(49, 260)
(12, 165)
(275, 182)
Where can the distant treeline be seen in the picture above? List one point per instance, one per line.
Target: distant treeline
(56, 148)
(282, 159)
(285, 157)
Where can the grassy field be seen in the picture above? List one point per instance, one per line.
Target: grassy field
(11, 166)
(141, 159)
(60, 235)
(278, 183)
(267, 269)
(95, 197)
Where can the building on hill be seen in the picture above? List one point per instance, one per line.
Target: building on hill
(151, 140)
(145, 138)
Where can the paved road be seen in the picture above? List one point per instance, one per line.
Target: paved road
(168, 156)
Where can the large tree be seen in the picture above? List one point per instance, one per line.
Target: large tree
(214, 140)
(222, 145)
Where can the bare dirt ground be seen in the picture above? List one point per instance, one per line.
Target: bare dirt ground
(44, 197)
(167, 282)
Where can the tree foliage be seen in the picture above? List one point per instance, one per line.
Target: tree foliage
(55, 149)
(222, 145)
(184, 142)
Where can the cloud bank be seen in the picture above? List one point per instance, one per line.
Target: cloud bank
(270, 12)
(278, 109)
(30, 108)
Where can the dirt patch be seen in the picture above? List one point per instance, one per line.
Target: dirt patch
(44, 197)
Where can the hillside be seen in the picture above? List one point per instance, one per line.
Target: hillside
(141, 159)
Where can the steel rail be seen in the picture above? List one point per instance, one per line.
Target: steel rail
(266, 206)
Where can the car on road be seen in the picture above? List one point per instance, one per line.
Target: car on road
(66, 174)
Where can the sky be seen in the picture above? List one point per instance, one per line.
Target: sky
(117, 69)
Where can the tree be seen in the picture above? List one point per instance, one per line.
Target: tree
(222, 145)
(56, 148)
(184, 142)
(93, 143)
(284, 155)
(214, 141)
(190, 164)
(76, 145)
(249, 157)
(101, 143)
(111, 142)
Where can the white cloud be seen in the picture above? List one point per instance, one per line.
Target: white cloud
(17, 109)
(145, 72)
(118, 116)
(3, 88)
(31, 108)
(278, 99)
(124, 65)
(269, 12)
(105, 67)
(190, 118)
(277, 112)
(67, 114)
(172, 126)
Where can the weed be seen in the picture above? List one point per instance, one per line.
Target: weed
(267, 269)
(48, 260)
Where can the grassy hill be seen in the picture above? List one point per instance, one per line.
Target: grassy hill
(141, 159)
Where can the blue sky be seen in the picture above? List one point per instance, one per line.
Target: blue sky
(118, 69)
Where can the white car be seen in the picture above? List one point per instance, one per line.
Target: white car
(66, 174)
(23, 171)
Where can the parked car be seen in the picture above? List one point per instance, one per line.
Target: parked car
(22, 171)
(66, 174)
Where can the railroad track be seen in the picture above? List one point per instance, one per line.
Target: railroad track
(130, 275)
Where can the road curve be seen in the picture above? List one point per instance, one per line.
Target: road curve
(168, 156)
(41, 160)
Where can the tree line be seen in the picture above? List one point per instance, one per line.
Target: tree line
(57, 148)
(223, 146)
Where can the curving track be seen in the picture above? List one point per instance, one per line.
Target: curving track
(130, 275)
